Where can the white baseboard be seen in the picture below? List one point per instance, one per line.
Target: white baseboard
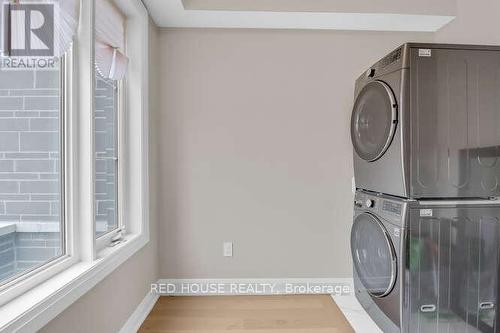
(141, 312)
(208, 287)
(355, 314)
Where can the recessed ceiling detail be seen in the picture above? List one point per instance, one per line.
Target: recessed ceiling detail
(420, 7)
(303, 14)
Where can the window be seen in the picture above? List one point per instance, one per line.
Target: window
(111, 66)
(60, 130)
(106, 154)
(31, 168)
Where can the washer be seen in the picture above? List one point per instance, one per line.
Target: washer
(425, 123)
(427, 266)
(376, 246)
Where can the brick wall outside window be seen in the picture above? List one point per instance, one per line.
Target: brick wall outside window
(29, 165)
(29, 168)
(105, 152)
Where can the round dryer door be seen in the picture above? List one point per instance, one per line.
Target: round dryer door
(374, 120)
(373, 255)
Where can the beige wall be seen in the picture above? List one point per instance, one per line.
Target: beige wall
(477, 22)
(108, 306)
(255, 149)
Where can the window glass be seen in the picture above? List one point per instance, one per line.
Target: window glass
(106, 154)
(31, 223)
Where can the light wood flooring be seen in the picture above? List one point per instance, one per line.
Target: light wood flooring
(259, 314)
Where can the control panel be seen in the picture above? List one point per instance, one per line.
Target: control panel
(392, 207)
(384, 207)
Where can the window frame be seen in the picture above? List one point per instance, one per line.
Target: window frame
(32, 303)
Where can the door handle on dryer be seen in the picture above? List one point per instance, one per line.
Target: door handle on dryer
(486, 305)
(428, 308)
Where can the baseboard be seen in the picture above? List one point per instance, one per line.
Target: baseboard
(355, 314)
(141, 312)
(207, 287)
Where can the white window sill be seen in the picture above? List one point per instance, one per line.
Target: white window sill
(34, 309)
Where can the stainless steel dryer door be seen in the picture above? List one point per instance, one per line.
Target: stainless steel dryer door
(374, 120)
(373, 255)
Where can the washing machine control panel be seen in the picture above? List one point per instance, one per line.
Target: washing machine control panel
(392, 207)
(392, 210)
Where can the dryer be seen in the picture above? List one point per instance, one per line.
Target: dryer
(427, 266)
(425, 122)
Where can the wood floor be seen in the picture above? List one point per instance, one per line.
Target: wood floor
(259, 314)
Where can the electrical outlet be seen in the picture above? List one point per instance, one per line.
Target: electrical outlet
(228, 249)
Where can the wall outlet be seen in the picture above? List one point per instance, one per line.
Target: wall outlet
(228, 249)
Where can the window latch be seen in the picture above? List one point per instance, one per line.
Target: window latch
(118, 238)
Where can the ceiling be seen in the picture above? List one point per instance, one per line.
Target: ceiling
(380, 15)
(424, 7)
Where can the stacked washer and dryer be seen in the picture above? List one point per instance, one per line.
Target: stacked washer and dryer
(426, 232)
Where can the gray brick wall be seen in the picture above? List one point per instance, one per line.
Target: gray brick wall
(29, 166)
(29, 145)
(22, 251)
(7, 256)
(105, 145)
(35, 248)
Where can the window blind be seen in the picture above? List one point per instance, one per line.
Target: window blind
(110, 23)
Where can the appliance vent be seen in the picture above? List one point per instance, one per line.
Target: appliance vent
(391, 58)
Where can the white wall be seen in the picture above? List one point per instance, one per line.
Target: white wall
(255, 148)
(107, 306)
